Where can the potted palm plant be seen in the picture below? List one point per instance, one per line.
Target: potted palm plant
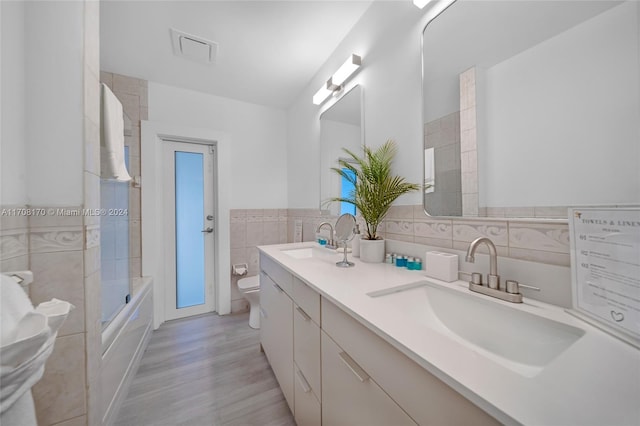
(375, 190)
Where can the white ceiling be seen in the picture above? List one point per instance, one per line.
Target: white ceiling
(268, 51)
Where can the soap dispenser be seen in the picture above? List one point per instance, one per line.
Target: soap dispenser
(355, 244)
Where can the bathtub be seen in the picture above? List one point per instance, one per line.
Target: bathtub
(124, 340)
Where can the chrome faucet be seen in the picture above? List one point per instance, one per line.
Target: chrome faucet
(330, 243)
(493, 277)
(511, 293)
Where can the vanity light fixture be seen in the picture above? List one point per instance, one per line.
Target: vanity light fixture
(322, 94)
(335, 82)
(421, 3)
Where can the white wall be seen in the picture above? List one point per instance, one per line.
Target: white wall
(54, 96)
(42, 103)
(258, 138)
(13, 189)
(582, 122)
(388, 39)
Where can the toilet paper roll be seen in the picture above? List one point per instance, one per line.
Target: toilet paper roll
(239, 270)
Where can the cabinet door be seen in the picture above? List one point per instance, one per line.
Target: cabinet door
(350, 396)
(276, 333)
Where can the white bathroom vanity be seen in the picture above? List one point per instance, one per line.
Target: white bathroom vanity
(377, 344)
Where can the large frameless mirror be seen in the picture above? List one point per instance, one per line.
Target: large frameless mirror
(531, 106)
(340, 127)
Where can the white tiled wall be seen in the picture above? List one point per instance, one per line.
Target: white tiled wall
(468, 142)
(443, 134)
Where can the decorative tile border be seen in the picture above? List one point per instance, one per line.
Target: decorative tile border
(92, 236)
(468, 231)
(14, 243)
(440, 229)
(544, 237)
(45, 240)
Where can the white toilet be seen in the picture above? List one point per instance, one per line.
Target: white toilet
(250, 289)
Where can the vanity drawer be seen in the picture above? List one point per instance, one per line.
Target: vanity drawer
(277, 273)
(308, 411)
(423, 396)
(307, 298)
(306, 348)
(350, 396)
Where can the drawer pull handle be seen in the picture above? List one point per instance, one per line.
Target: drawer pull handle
(303, 382)
(354, 367)
(303, 313)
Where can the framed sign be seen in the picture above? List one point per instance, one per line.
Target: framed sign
(605, 268)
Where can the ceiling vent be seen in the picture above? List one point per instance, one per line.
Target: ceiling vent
(192, 47)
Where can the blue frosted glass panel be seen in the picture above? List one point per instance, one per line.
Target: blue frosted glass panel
(346, 191)
(190, 282)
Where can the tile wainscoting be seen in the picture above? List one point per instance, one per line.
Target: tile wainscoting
(58, 249)
(535, 240)
(250, 228)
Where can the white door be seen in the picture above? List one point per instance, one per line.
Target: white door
(188, 182)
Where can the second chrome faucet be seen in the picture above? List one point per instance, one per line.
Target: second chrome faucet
(331, 243)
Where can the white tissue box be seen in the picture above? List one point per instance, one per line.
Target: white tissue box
(442, 266)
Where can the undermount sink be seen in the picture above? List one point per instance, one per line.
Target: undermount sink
(309, 252)
(516, 339)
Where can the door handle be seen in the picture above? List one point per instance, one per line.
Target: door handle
(208, 230)
(303, 381)
(354, 367)
(305, 316)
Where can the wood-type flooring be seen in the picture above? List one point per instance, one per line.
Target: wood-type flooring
(203, 371)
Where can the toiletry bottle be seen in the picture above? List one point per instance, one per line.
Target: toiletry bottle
(417, 264)
(355, 243)
(410, 263)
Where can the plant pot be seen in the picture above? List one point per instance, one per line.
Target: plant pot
(372, 251)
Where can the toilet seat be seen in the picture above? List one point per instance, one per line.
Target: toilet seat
(249, 283)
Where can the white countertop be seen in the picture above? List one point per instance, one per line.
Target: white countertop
(596, 381)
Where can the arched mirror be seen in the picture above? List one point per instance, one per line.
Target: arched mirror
(340, 127)
(531, 106)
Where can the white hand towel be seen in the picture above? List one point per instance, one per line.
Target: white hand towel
(112, 165)
(27, 339)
